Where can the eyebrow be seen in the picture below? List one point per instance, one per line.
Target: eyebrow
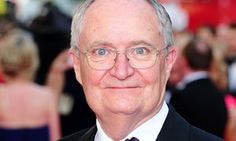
(100, 43)
(132, 43)
(141, 42)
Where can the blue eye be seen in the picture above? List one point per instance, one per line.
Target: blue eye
(101, 51)
(139, 50)
(142, 50)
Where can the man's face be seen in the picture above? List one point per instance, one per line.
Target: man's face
(122, 89)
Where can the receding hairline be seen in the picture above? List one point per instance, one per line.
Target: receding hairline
(162, 19)
(95, 7)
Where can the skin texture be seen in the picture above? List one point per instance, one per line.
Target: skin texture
(122, 97)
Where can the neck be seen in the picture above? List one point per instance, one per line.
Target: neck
(17, 79)
(118, 126)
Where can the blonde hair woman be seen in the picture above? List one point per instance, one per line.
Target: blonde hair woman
(28, 111)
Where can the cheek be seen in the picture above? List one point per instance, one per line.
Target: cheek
(154, 76)
(91, 85)
(156, 81)
(91, 78)
(153, 93)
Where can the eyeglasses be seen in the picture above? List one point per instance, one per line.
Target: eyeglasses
(104, 58)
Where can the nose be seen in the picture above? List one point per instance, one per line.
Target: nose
(121, 69)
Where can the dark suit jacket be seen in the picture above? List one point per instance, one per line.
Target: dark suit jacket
(202, 105)
(175, 128)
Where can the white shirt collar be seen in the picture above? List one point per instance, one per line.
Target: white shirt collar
(148, 131)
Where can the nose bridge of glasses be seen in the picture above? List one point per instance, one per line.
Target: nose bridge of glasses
(121, 63)
(123, 52)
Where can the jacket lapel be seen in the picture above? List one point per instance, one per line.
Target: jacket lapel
(89, 135)
(174, 128)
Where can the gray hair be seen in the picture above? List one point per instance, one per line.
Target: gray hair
(162, 16)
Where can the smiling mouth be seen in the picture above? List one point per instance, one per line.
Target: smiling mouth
(122, 87)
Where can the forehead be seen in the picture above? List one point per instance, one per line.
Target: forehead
(121, 5)
(118, 9)
(120, 17)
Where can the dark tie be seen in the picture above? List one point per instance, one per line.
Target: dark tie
(132, 139)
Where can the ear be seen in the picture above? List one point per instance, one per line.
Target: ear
(77, 65)
(171, 58)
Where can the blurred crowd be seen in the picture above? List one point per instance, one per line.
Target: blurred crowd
(38, 89)
(202, 83)
(49, 33)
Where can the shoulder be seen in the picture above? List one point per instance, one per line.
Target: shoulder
(197, 134)
(177, 128)
(43, 91)
(41, 94)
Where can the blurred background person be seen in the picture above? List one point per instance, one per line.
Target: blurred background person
(56, 76)
(7, 10)
(181, 40)
(50, 28)
(218, 68)
(28, 111)
(230, 57)
(51, 32)
(197, 98)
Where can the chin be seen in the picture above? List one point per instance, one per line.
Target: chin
(124, 108)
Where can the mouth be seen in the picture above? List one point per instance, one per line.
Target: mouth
(122, 87)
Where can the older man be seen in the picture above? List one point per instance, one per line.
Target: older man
(123, 52)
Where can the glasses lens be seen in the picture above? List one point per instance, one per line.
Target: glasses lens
(101, 58)
(142, 57)
(138, 57)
